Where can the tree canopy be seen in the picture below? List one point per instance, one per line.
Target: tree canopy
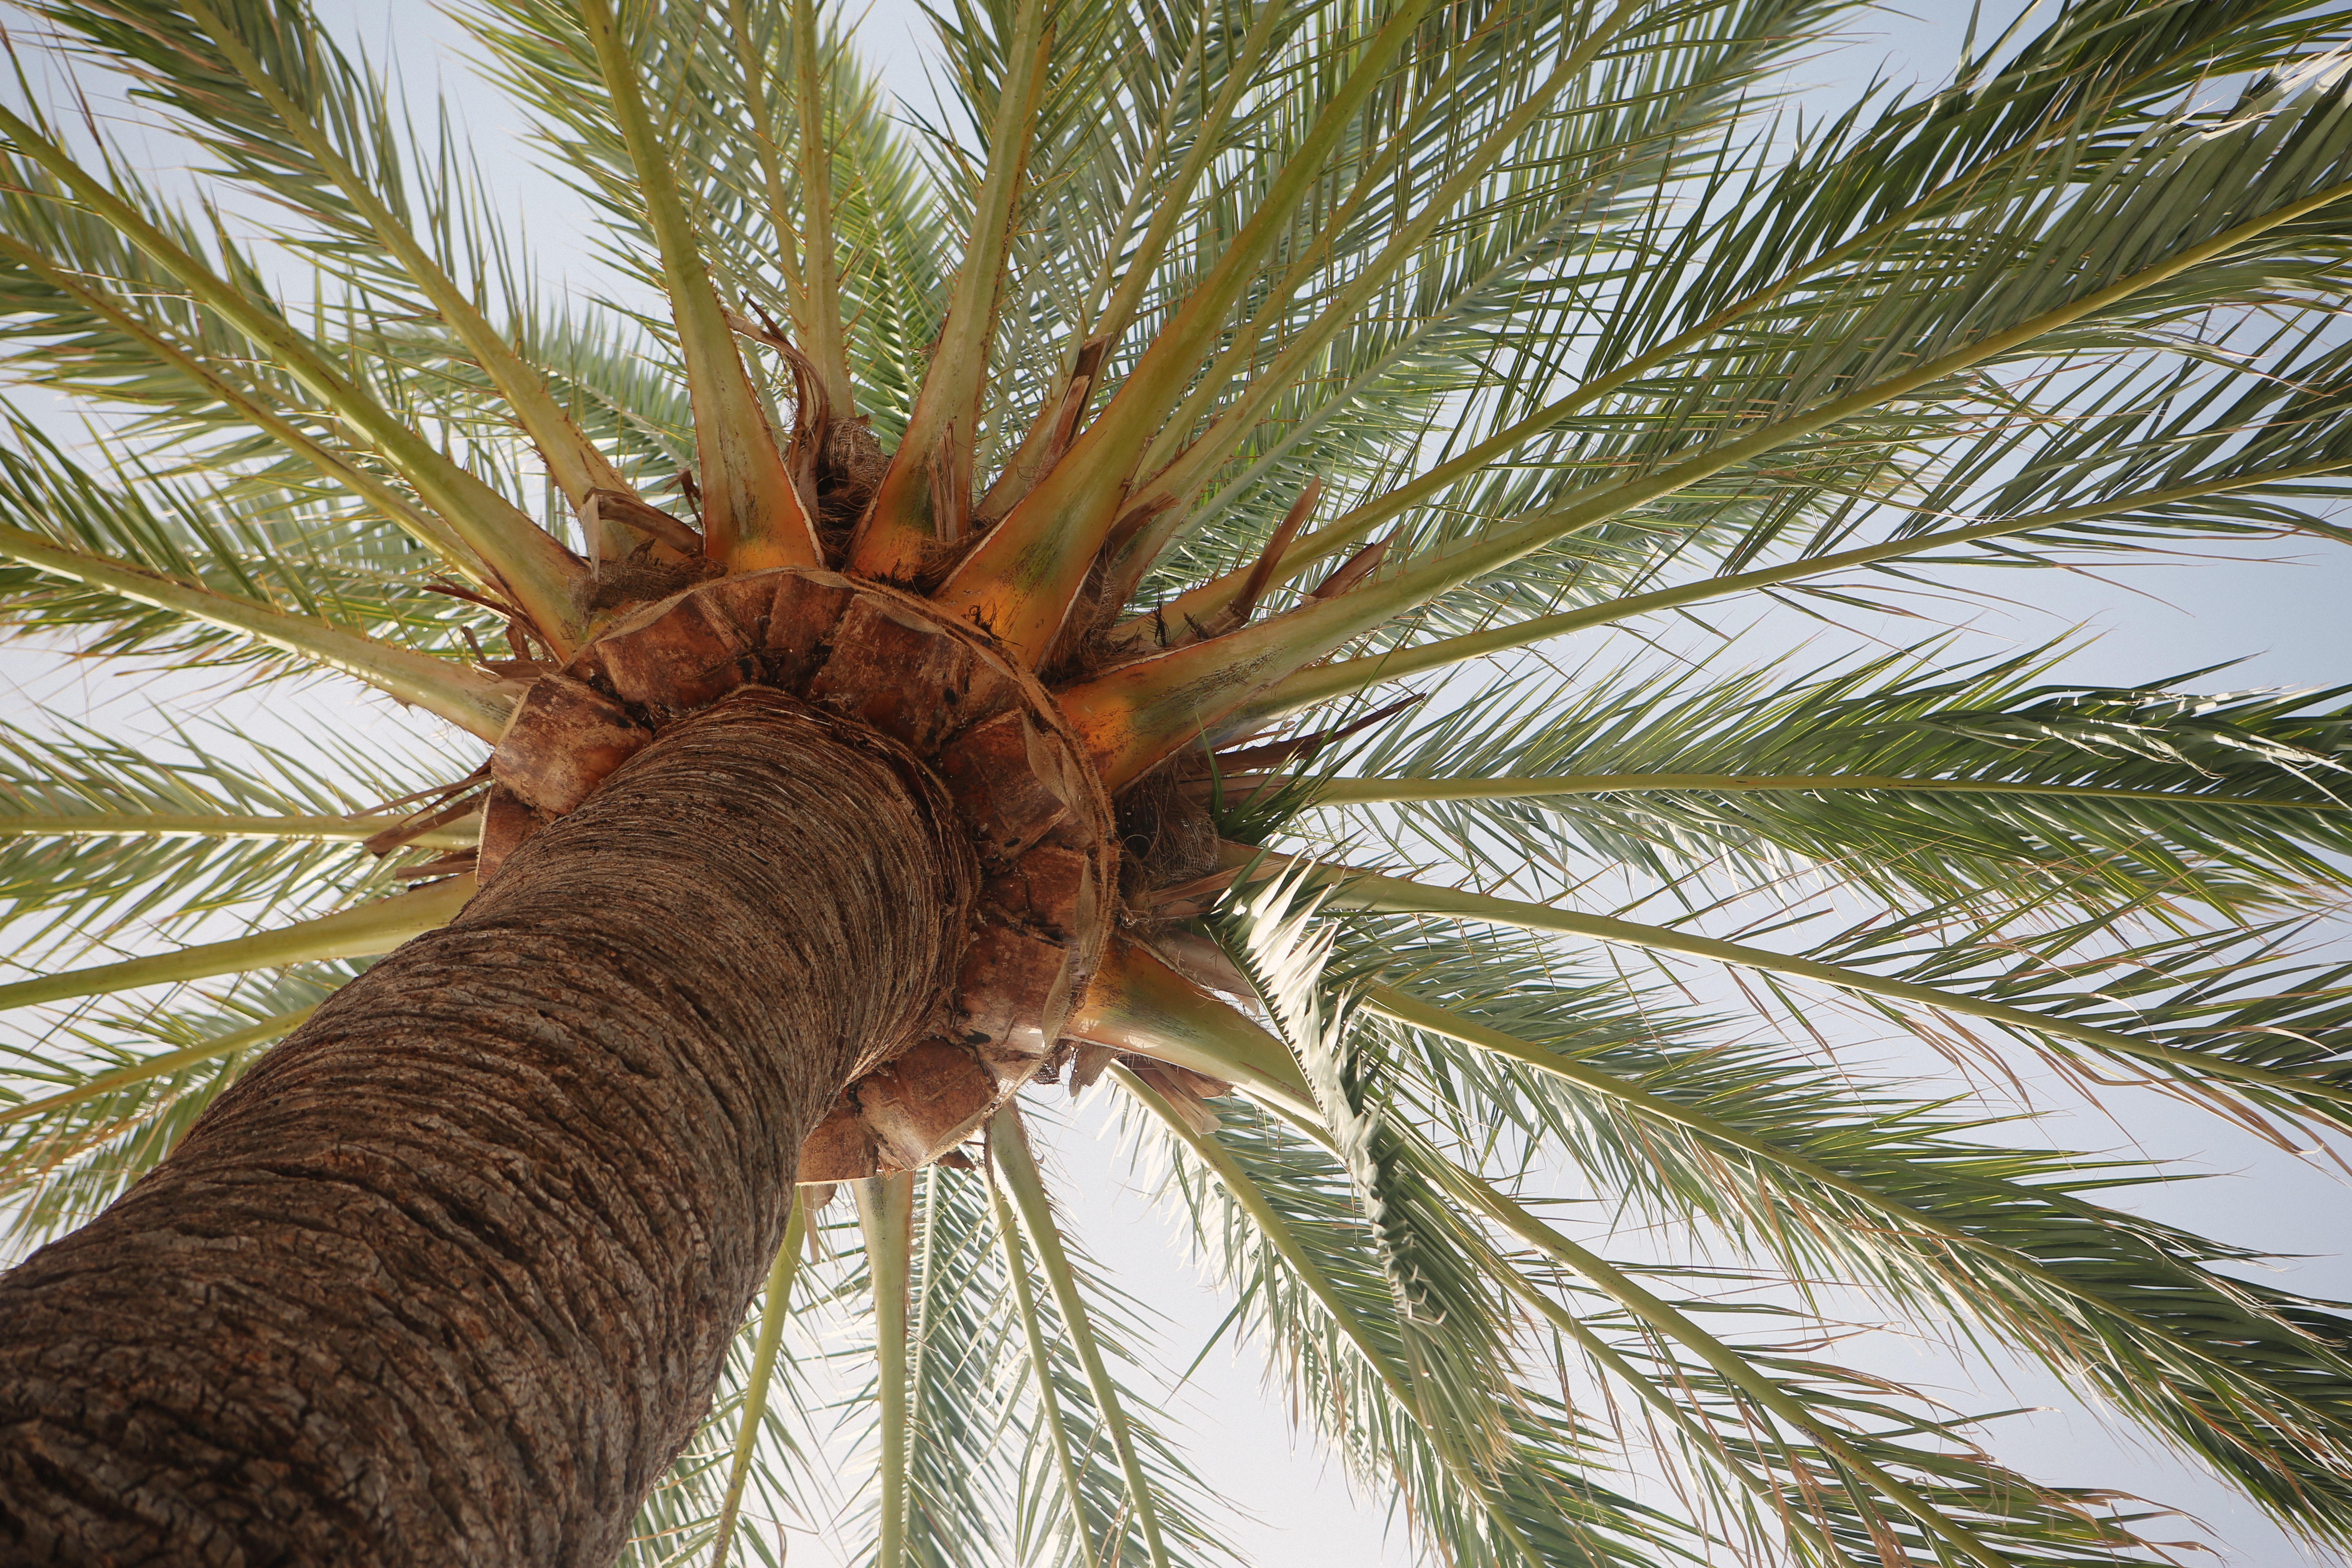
(1328, 400)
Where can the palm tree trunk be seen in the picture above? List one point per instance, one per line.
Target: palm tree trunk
(449, 1276)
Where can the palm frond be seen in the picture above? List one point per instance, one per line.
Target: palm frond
(1842, 1467)
(2047, 283)
(1963, 1504)
(1900, 777)
(1277, 1221)
(891, 252)
(97, 834)
(88, 1111)
(363, 931)
(535, 566)
(262, 87)
(775, 1307)
(1843, 219)
(1112, 1487)
(1797, 1165)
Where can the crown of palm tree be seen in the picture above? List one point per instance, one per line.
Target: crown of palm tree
(1232, 365)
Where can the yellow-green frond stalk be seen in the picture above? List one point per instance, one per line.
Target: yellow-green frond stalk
(754, 515)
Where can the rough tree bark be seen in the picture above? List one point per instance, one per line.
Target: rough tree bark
(449, 1275)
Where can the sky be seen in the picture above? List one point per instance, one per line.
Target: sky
(2279, 609)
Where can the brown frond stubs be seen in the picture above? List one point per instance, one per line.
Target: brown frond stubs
(908, 680)
(671, 658)
(920, 1105)
(1043, 828)
(564, 738)
(886, 667)
(507, 820)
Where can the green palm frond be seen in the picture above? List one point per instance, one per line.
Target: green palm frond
(720, 1486)
(2238, 1015)
(90, 1109)
(1447, 1316)
(270, 97)
(887, 217)
(1832, 220)
(272, 546)
(1875, 776)
(1793, 1164)
(95, 316)
(1955, 1498)
(2187, 1026)
(97, 834)
(1277, 1223)
(957, 1336)
(1893, 376)
(1819, 1455)
(1505, 263)
(1090, 1435)
(979, 1466)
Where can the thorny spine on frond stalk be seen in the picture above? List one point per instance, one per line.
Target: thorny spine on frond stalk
(1226, 366)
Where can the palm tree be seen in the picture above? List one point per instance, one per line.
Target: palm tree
(956, 646)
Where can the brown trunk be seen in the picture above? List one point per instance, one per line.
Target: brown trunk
(448, 1277)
